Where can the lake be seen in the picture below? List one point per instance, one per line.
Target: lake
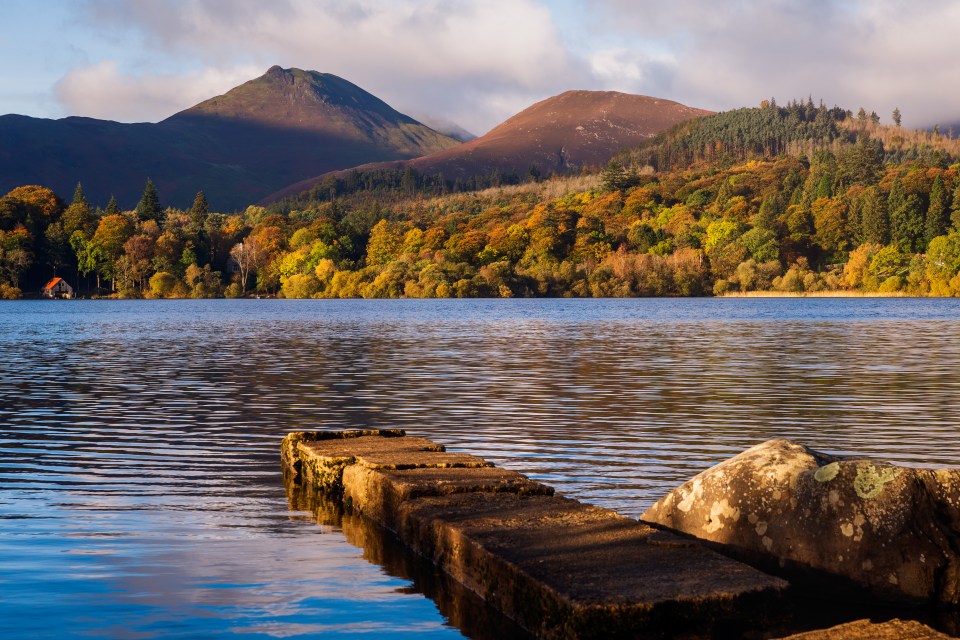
(140, 485)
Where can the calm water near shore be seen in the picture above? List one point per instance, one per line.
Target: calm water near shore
(140, 485)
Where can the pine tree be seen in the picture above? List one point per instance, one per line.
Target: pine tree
(112, 207)
(199, 211)
(896, 116)
(78, 197)
(874, 220)
(938, 212)
(906, 217)
(955, 216)
(149, 206)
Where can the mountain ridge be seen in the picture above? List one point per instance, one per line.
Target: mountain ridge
(285, 125)
(563, 133)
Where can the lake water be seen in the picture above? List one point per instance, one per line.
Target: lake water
(140, 484)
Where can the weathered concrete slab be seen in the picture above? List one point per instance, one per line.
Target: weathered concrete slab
(866, 630)
(323, 459)
(561, 568)
(569, 570)
(893, 530)
(378, 493)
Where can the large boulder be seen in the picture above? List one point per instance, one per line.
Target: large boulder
(893, 530)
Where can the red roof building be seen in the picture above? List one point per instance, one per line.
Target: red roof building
(57, 288)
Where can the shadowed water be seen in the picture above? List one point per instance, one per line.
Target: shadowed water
(140, 486)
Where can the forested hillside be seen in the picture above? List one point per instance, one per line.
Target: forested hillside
(734, 202)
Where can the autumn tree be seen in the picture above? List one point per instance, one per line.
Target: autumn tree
(250, 255)
(15, 254)
(79, 215)
(386, 240)
(139, 252)
(109, 239)
(830, 225)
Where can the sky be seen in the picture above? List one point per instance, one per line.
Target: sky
(477, 62)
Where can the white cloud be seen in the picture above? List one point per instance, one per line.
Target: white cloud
(873, 53)
(425, 56)
(477, 62)
(101, 90)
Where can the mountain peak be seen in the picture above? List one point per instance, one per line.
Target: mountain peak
(283, 126)
(292, 96)
(560, 134)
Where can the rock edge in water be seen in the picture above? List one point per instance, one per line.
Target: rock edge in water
(890, 529)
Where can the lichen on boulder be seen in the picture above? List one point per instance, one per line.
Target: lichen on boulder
(891, 529)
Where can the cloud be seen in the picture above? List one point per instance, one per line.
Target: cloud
(101, 90)
(873, 53)
(474, 61)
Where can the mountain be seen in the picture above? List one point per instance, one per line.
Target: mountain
(559, 134)
(277, 129)
(447, 128)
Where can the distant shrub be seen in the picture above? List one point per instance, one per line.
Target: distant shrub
(300, 286)
(162, 284)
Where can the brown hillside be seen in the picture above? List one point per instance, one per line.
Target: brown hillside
(559, 134)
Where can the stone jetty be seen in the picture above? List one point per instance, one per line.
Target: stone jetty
(892, 531)
(558, 567)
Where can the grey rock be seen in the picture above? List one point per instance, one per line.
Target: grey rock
(893, 530)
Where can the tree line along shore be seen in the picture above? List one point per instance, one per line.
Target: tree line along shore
(852, 208)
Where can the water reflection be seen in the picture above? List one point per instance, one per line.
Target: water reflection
(139, 475)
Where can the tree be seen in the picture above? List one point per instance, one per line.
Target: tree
(938, 213)
(15, 254)
(907, 224)
(955, 207)
(56, 246)
(149, 206)
(111, 235)
(79, 215)
(896, 116)
(875, 221)
(198, 213)
(139, 251)
(162, 284)
(248, 255)
(89, 255)
(112, 207)
(385, 243)
(616, 177)
(830, 224)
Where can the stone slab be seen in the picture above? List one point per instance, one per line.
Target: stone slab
(560, 568)
(564, 569)
(378, 493)
(866, 630)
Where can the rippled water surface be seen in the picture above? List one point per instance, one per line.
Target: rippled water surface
(140, 486)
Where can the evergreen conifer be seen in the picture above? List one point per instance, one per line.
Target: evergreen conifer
(149, 206)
